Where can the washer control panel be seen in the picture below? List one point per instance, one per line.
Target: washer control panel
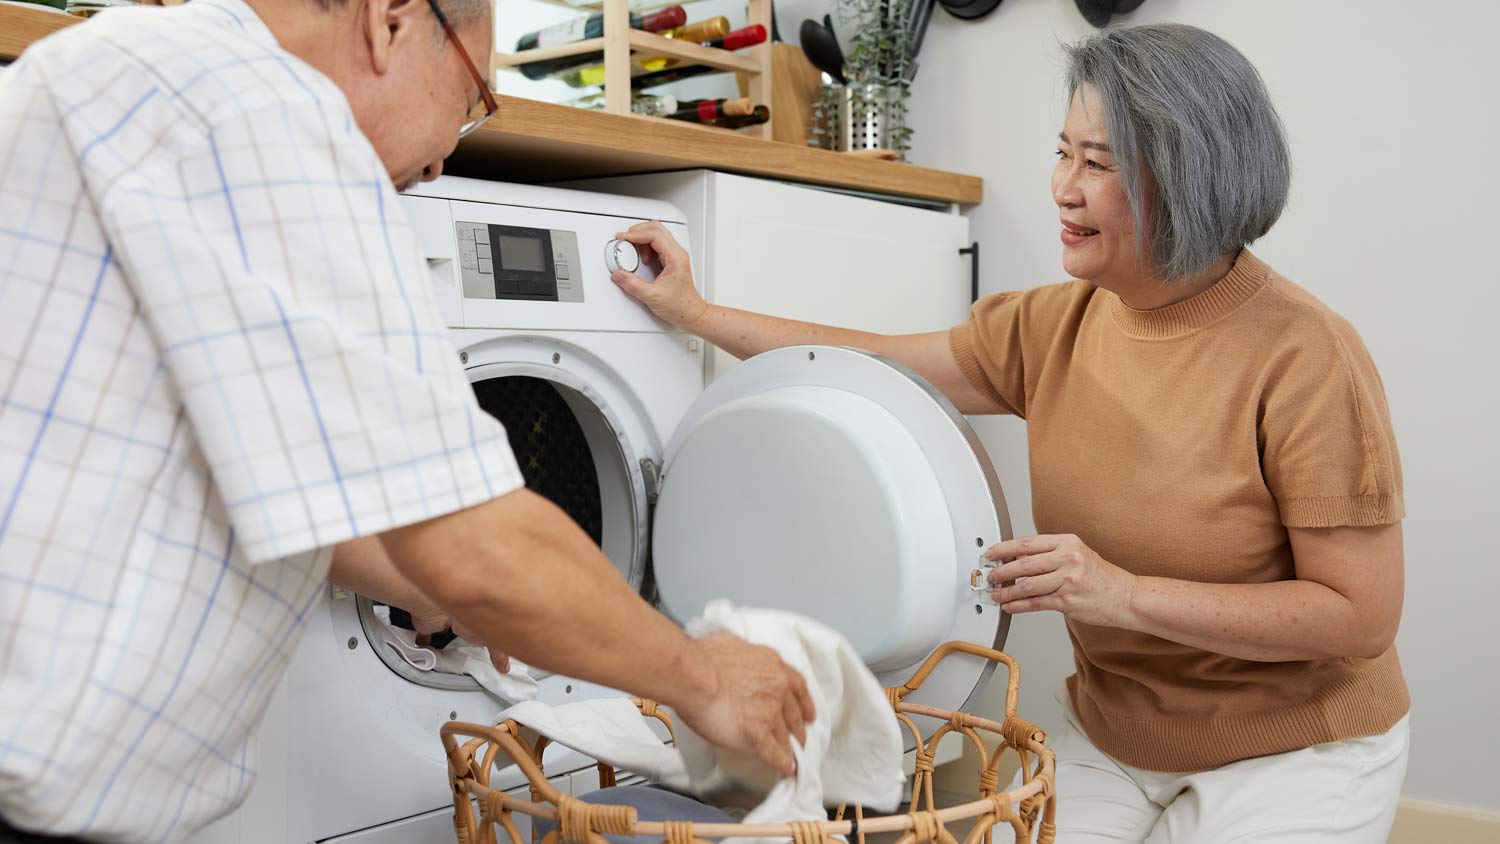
(519, 262)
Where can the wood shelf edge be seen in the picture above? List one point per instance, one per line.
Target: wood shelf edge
(568, 139)
(20, 26)
(577, 48)
(650, 42)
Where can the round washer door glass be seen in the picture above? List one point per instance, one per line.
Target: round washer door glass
(838, 485)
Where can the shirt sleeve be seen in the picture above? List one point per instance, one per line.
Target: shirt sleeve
(291, 308)
(1328, 450)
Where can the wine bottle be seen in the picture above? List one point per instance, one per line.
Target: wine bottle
(705, 30)
(655, 105)
(759, 116)
(582, 29)
(711, 111)
(672, 69)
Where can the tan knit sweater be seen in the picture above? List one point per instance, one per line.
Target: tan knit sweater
(1182, 442)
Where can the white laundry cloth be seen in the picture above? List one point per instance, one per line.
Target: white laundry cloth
(853, 749)
(461, 657)
(609, 730)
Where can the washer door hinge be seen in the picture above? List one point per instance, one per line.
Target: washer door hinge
(652, 475)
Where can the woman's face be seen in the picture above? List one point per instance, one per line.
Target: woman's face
(1098, 230)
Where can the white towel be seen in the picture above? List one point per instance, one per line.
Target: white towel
(853, 749)
(611, 731)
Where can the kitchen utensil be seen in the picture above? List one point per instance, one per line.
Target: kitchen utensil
(1098, 12)
(822, 48)
(920, 29)
(970, 9)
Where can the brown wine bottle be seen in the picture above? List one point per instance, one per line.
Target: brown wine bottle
(760, 115)
(704, 30)
(712, 111)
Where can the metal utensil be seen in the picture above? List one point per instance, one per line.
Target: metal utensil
(921, 28)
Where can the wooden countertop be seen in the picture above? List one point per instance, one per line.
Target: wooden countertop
(528, 137)
(533, 141)
(21, 25)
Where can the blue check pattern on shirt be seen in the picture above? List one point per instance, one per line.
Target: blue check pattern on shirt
(219, 357)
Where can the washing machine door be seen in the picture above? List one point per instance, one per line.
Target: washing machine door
(836, 484)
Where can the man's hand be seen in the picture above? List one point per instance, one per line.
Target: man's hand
(760, 703)
(429, 620)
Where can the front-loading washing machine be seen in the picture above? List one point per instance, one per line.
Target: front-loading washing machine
(821, 480)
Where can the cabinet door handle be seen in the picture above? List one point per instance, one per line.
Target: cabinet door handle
(973, 249)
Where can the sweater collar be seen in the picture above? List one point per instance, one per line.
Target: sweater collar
(1245, 278)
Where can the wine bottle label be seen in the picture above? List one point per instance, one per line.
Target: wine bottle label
(563, 33)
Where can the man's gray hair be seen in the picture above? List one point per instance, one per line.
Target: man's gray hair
(460, 13)
(1188, 112)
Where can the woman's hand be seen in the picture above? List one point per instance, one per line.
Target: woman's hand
(1060, 573)
(672, 296)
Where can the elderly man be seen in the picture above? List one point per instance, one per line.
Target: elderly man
(219, 364)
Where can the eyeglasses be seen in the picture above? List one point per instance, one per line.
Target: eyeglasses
(486, 107)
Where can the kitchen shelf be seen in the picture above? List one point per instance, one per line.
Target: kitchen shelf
(528, 138)
(577, 48)
(646, 43)
(535, 142)
(620, 42)
(691, 53)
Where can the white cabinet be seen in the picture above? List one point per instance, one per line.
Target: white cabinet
(809, 254)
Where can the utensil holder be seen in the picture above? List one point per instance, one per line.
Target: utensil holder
(862, 116)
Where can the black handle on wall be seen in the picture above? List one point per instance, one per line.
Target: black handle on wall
(973, 249)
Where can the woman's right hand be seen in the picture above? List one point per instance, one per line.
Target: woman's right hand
(672, 296)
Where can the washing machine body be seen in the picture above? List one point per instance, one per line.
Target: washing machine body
(826, 481)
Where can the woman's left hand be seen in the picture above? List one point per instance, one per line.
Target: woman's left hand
(1060, 573)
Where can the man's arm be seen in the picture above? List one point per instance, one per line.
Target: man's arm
(520, 574)
(362, 566)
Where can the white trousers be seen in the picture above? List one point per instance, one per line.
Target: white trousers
(1343, 792)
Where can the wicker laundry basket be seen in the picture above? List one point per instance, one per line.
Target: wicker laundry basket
(1029, 810)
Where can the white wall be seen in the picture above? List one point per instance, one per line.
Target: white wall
(1393, 221)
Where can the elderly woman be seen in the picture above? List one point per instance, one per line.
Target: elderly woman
(1212, 464)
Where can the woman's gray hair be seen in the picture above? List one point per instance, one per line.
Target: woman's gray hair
(1188, 112)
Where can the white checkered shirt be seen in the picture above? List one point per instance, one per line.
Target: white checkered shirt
(219, 357)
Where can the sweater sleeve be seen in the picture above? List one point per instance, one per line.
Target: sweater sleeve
(1003, 345)
(1328, 450)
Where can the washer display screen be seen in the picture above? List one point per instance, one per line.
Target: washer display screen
(521, 253)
